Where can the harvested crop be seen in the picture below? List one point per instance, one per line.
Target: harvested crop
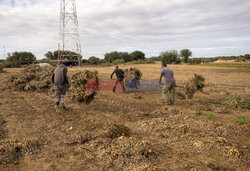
(117, 130)
(84, 85)
(197, 83)
(132, 77)
(32, 78)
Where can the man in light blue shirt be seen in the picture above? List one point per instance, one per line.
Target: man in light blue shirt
(168, 90)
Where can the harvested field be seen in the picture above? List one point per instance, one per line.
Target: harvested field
(117, 131)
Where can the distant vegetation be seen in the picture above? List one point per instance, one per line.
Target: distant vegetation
(16, 59)
(54, 56)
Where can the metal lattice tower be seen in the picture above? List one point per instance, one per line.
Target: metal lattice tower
(69, 38)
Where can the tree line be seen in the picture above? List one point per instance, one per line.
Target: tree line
(16, 59)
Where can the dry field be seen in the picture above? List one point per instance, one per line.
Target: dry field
(123, 132)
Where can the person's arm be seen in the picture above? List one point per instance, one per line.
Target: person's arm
(112, 74)
(160, 77)
(65, 76)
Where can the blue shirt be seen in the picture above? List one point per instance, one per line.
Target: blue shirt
(168, 75)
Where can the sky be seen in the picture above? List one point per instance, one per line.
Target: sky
(207, 27)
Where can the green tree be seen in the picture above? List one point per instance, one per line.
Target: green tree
(186, 53)
(169, 57)
(21, 57)
(136, 55)
(125, 56)
(247, 56)
(49, 55)
(94, 60)
(68, 55)
(110, 57)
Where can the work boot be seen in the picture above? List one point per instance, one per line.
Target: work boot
(123, 89)
(114, 89)
(64, 107)
(57, 105)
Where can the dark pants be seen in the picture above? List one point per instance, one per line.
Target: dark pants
(122, 84)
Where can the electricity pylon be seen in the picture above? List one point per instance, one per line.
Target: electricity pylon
(69, 38)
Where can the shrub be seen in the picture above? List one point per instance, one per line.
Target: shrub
(143, 61)
(118, 61)
(195, 61)
(240, 120)
(198, 112)
(169, 57)
(11, 64)
(210, 116)
(94, 60)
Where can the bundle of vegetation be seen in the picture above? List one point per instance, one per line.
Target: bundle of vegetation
(235, 101)
(84, 86)
(131, 150)
(197, 83)
(117, 130)
(12, 151)
(32, 78)
(132, 77)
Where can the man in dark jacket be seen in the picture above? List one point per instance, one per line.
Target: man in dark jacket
(61, 83)
(119, 78)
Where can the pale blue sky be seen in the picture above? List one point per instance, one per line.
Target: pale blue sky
(208, 28)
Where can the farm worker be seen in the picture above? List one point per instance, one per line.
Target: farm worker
(119, 78)
(168, 90)
(61, 83)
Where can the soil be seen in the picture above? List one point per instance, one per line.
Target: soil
(119, 132)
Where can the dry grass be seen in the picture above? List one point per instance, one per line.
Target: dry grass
(119, 132)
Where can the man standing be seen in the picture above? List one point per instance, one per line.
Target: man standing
(61, 83)
(168, 90)
(119, 78)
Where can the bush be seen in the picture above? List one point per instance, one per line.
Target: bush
(11, 64)
(141, 61)
(210, 116)
(247, 56)
(169, 57)
(94, 60)
(195, 61)
(118, 61)
(137, 55)
(21, 58)
(198, 112)
(241, 120)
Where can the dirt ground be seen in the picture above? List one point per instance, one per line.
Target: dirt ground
(122, 132)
